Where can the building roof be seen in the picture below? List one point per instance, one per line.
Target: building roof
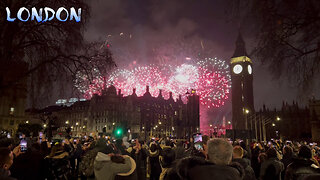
(240, 47)
(112, 90)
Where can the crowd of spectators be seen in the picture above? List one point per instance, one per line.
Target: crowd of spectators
(105, 158)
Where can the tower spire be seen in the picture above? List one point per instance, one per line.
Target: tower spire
(240, 47)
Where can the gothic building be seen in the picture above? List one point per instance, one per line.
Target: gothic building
(291, 122)
(242, 88)
(143, 116)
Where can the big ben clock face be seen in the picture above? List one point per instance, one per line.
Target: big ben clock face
(249, 69)
(237, 69)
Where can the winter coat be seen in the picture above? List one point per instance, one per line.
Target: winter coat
(105, 169)
(196, 168)
(154, 163)
(5, 175)
(122, 150)
(58, 166)
(141, 161)
(28, 166)
(249, 173)
(86, 165)
(271, 169)
(286, 160)
(180, 152)
(192, 151)
(301, 168)
(78, 151)
(125, 142)
(131, 175)
(254, 161)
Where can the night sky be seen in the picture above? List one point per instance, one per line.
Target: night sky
(174, 29)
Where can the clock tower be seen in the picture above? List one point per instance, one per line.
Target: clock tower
(242, 89)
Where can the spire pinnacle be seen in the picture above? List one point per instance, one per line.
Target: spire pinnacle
(240, 47)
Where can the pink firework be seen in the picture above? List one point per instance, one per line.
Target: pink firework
(183, 79)
(210, 78)
(122, 79)
(213, 88)
(95, 87)
(148, 76)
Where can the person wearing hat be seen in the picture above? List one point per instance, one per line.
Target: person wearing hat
(108, 165)
(57, 163)
(153, 162)
(303, 166)
(272, 167)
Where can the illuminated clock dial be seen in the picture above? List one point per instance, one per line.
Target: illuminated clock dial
(237, 69)
(249, 69)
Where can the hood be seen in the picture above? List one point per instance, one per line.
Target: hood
(125, 141)
(59, 155)
(163, 147)
(101, 160)
(102, 157)
(186, 164)
(154, 154)
(133, 167)
(104, 161)
(101, 143)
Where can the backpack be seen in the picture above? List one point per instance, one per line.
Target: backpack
(87, 162)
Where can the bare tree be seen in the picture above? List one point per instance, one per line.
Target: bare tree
(53, 51)
(288, 36)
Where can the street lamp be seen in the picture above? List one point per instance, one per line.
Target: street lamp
(67, 122)
(246, 112)
(27, 122)
(44, 125)
(210, 125)
(77, 123)
(273, 124)
(278, 118)
(229, 122)
(113, 124)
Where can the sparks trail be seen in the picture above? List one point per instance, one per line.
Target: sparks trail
(209, 77)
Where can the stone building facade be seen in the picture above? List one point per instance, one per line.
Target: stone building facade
(143, 116)
(13, 94)
(291, 122)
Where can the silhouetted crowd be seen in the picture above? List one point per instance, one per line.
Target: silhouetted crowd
(103, 158)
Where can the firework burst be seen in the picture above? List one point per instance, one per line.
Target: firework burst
(209, 77)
